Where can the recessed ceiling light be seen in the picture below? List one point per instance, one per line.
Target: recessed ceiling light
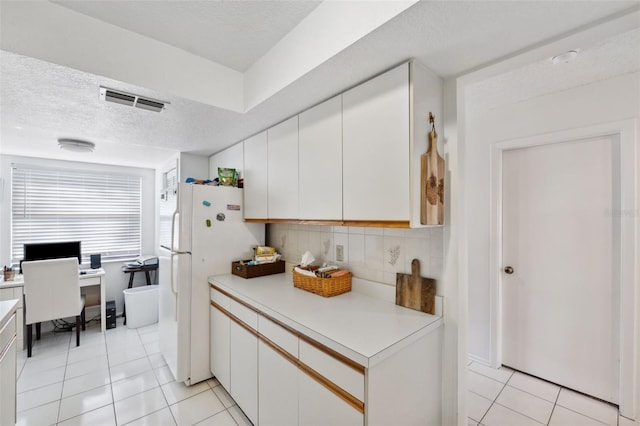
(565, 57)
(76, 145)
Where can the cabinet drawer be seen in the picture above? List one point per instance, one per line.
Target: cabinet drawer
(12, 293)
(339, 373)
(7, 333)
(243, 313)
(220, 298)
(85, 282)
(278, 335)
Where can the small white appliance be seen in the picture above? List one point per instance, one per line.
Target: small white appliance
(199, 237)
(147, 260)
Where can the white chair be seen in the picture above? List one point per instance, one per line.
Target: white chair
(51, 291)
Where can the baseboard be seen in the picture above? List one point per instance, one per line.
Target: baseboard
(478, 359)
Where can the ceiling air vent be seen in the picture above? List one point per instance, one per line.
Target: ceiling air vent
(129, 99)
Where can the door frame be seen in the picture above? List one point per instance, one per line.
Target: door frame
(626, 135)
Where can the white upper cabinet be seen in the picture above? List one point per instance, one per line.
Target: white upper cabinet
(255, 177)
(283, 170)
(353, 159)
(320, 166)
(376, 141)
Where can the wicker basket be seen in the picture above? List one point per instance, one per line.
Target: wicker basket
(325, 287)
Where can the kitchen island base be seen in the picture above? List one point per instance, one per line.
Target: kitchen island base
(306, 360)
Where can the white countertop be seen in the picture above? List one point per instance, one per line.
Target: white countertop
(364, 328)
(16, 282)
(7, 307)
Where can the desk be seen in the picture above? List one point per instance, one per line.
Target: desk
(13, 290)
(131, 270)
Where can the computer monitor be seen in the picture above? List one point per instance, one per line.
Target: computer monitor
(56, 250)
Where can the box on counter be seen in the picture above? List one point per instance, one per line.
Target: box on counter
(250, 271)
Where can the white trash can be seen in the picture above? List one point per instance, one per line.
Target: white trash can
(141, 304)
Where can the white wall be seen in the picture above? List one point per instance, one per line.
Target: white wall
(601, 102)
(230, 158)
(116, 280)
(375, 254)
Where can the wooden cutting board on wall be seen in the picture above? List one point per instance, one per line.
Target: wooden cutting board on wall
(414, 291)
(432, 181)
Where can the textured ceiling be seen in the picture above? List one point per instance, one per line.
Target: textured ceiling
(606, 59)
(40, 101)
(232, 33)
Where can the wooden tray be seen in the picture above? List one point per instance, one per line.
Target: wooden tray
(252, 271)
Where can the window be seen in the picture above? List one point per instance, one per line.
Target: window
(102, 210)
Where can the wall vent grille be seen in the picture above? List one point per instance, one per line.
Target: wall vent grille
(129, 99)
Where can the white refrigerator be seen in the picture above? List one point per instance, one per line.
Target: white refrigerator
(199, 237)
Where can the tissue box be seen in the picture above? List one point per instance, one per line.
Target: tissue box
(252, 271)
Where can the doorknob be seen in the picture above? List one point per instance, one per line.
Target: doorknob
(508, 270)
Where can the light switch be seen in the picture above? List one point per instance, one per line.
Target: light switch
(339, 253)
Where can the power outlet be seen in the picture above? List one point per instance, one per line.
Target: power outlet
(339, 253)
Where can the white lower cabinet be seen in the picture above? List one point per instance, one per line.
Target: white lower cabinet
(281, 376)
(8, 373)
(220, 346)
(318, 406)
(243, 349)
(277, 388)
(10, 293)
(234, 351)
(258, 362)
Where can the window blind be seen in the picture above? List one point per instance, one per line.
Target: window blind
(101, 210)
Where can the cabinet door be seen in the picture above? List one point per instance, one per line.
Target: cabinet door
(16, 293)
(283, 170)
(255, 177)
(8, 382)
(220, 366)
(320, 165)
(376, 171)
(244, 370)
(318, 406)
(277, 388)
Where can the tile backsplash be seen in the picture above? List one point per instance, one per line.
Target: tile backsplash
(375, 254)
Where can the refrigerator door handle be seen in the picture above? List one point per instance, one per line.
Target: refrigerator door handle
(173, 228)
(175, 251)
(173, 290)
(173, 254)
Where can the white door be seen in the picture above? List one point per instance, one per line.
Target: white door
(560, 302)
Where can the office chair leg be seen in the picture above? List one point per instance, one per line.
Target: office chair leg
(83, 318)
(37, 331)
(29, 339)
(78, 330)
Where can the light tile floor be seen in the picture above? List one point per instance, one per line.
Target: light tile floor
(115, 378)
(504, 397)
(120, 378)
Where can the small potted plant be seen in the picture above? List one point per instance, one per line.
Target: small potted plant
(9, 273)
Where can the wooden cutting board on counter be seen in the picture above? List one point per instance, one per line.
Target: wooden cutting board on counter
(414, 291)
